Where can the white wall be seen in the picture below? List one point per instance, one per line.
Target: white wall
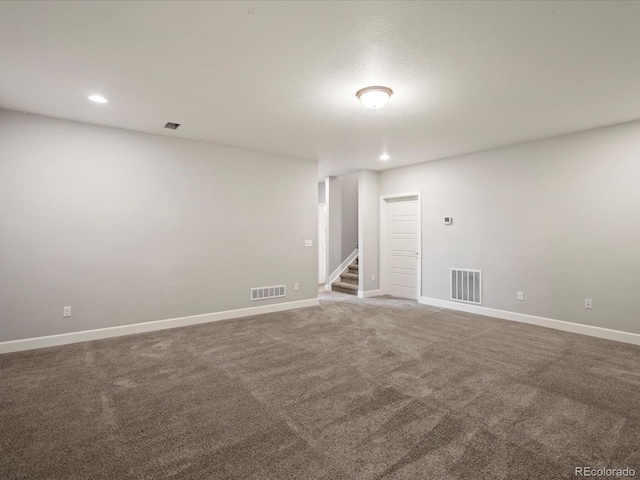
(349, 195)
(321, 192)
(368, 229)
(558, 219)
(333, 199)
(128, 227)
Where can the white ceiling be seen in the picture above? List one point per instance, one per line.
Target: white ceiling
(281, 76)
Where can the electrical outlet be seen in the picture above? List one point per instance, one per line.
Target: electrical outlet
(295, 286)
(520, 296)
(308, 243)
(373, 276)
(66, 311)
(588, 303)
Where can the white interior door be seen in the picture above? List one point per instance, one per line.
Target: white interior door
(403, 248)
(322, 243)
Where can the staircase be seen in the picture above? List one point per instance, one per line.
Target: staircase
(348, 281)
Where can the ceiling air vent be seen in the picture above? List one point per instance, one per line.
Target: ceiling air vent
(172, 126)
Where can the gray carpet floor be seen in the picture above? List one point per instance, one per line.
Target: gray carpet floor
(354, 389)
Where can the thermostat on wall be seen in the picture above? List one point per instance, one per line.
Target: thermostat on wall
(448, 220)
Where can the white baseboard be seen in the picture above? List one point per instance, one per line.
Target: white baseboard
(369, 293)
(606, 333)
(87, 335)
(328, 288)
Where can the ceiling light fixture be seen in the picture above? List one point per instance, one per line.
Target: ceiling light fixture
(384, 156)
(374, 97)
(98, 99)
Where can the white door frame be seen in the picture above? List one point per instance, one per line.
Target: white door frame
(322, 243)
(383, 238)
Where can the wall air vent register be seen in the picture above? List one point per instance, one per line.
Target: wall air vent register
(263, 293)
(466, 286)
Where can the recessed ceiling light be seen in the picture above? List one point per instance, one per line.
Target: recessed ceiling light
(384, 156)
(98, 99)
(374, 97)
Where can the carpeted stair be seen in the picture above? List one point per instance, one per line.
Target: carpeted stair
(348, 281)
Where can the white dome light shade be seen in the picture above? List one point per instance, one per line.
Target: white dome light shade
(98, 99)
(374, 97)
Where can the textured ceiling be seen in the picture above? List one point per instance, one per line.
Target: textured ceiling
(281, 76)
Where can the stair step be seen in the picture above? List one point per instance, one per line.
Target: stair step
(354, 268)
(352, 281)
(349, 286)
(350, 278)
(344, 287)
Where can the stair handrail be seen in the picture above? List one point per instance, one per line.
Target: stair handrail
(341, 269)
